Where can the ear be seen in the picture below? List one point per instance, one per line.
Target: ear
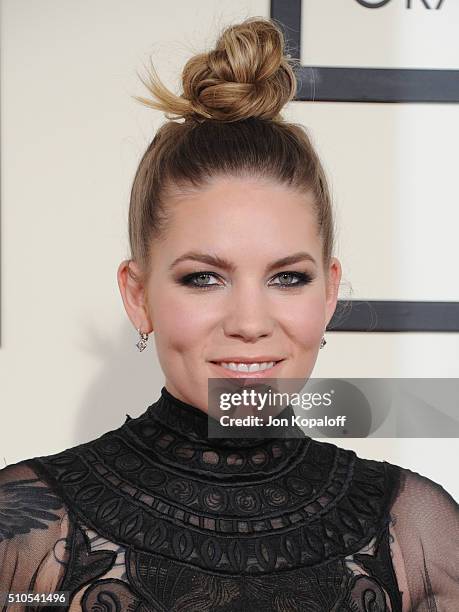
(334, 279)
(134, 297)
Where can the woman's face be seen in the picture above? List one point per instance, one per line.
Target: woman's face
(215, 292)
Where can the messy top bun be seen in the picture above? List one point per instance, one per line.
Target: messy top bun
(246, 75)
(231, 102)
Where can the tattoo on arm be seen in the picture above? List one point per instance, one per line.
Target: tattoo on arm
(392, 522)
(26, 505)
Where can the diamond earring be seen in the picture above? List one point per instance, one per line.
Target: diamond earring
(323, 342)
(142, 343)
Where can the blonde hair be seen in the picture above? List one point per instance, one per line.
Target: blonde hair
(231, 106)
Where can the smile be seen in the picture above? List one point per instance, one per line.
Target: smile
(247, 367)
(250, 368)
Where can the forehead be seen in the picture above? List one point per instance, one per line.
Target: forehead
(242, 207)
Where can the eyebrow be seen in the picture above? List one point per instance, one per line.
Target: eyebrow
(224, 264)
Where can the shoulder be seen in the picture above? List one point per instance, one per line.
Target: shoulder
(426, 504)
(414, 497)
(27, 501)
(408, 486)
(369, 479)
(34, 527)
(401, 496)
(415, 488)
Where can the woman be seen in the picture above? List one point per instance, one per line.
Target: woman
(231, 232)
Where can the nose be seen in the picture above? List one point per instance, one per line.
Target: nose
(247, 314)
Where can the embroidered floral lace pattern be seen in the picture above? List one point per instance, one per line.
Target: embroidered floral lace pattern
(155, 516)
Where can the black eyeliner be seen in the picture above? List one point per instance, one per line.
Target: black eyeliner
(304, 279)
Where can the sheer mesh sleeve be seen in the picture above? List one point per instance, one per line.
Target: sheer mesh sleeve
(33, 534)
(425, 525)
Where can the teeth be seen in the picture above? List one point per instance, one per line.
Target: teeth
(248, 367)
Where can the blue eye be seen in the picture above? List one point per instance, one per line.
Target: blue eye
(304, 279)
(194, 280)
(191, 280)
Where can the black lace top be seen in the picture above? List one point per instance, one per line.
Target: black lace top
(157, 516)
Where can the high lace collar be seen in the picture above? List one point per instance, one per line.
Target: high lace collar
(175, 434)
(191, 422)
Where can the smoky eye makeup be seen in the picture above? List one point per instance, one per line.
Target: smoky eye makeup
(207, 280)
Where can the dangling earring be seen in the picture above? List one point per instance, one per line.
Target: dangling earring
(323, 342)
(142, 343)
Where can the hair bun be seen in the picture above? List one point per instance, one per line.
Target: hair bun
(246, 75)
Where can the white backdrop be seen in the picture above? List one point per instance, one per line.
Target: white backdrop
(71, 139)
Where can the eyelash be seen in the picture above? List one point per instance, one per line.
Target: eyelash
(304, 279)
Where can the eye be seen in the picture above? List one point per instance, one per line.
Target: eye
(199, 280)
(303, 279)
(196, 280)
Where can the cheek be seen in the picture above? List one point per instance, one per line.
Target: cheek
(304, 319)
(180, 322)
